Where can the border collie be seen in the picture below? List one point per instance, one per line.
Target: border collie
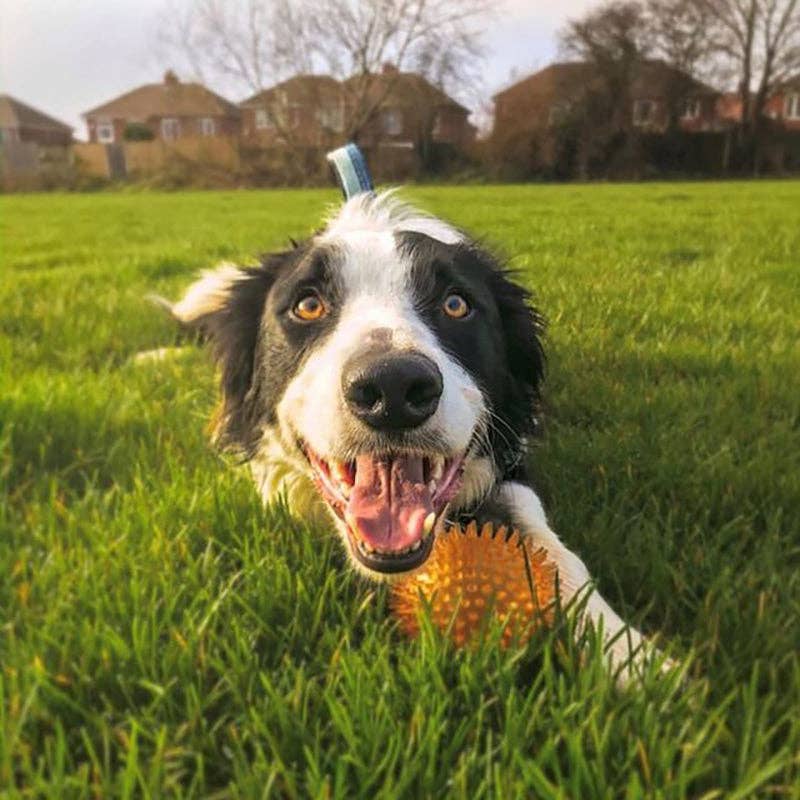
(389, 367)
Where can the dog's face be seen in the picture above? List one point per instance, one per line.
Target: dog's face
(391, 357)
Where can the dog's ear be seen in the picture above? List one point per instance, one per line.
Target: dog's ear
(225, 307)
(523, 329)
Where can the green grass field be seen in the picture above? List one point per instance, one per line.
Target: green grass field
(162, 635)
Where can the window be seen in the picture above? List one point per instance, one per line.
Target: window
(559, 113)
(644, 112)
(105, 132)
(207, 126)
(438, 126)
(792, 106)
(392, 121)
(264, 119)
(692, 108)
(170, 128)
(331, 117)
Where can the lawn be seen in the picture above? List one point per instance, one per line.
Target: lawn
(162, 635)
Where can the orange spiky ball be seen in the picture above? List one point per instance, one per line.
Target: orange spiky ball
(471, 574)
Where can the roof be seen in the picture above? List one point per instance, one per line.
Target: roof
(791, 83)
(16, 114)
(297, 86)
(407, 88)
(403, 87)
(562, 76)
(171, 97)
(654, 76)
(651, 78)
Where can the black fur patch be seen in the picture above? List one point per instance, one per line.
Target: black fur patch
(498, 344)
(259, 344)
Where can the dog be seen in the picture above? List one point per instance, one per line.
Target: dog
(389, 370)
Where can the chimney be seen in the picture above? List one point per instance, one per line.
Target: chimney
(170, 78)
(388, 68)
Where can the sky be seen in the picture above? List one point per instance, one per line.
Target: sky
(67, 56)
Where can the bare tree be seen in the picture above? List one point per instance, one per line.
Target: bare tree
(251, 44)
(754, 44)
(760, 40)
(439, 39)
(241, 46)
(614, 39)
(681, 33)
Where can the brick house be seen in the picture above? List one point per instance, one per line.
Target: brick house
(409, 111)
(303, 110)
(164, 111)
(317, 110)
(782, 107)
(20, 122)
(660, 94)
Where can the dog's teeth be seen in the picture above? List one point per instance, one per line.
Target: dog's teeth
(430, 521)
(437, 468)
(416, 545)
(345, 488)
(432, 487)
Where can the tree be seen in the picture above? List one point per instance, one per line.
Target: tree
(614, 41)
(760, 40)
(754, 43)
(681, 32)
(252, 44)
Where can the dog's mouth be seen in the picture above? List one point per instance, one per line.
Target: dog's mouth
(390, 503)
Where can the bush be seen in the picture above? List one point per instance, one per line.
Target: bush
(137, 132)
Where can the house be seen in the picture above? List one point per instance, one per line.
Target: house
(165, 111)
(659, 95)
(393, 108)
(785, 103)
(405, 110)
(782, 107)
(303, 110)
(20, 122)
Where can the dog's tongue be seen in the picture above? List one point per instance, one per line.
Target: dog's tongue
(389, 501)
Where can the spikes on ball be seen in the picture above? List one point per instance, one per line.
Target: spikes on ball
(474, 573)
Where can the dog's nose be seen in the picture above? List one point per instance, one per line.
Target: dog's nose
(392, 392)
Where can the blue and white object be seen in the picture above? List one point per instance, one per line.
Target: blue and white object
(351, 170)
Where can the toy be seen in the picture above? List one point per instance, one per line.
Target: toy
(472, 573)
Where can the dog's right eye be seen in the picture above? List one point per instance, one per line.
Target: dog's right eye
(309, 308)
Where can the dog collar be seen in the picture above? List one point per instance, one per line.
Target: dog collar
(351, 170)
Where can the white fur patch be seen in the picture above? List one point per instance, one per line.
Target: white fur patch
(385, 213)
(208, 294)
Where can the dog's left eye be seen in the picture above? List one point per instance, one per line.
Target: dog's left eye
(456, 306)
(310, 307)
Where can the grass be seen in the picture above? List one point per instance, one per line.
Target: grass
(162, 635)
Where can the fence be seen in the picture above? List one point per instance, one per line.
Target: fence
(137, 159)
(26, 165)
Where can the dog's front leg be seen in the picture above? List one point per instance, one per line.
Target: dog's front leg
(625, 645)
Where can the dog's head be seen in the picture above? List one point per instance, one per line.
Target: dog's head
(391, 356)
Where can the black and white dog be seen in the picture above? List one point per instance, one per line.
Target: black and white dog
(390, 362)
